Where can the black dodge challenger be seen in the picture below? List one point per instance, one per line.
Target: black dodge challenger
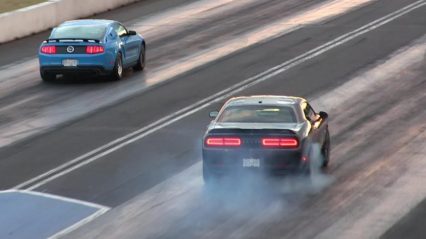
(266, 134)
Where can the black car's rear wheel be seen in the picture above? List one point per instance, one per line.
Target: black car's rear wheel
(117, 72)
(140, 65)
(209, 178)
(325, 151)
(315, 161)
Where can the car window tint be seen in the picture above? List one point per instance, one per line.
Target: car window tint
(95, 32)
(258, 114)
(120, 29)
(309, 112)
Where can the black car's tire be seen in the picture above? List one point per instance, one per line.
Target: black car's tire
(117, 72)
(140, 65)
(315, 161)
(325, 151)
(46, 77)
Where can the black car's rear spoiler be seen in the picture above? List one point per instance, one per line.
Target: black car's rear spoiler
(238, 131)
(72, 39)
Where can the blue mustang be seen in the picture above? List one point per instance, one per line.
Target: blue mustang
(95, 47)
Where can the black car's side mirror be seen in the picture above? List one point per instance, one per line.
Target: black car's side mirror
(131, 33)
(214, 114)
(323, 115)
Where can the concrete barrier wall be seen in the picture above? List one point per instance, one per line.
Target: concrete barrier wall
(37, 18)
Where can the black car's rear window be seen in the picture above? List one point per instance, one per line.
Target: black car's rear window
(94, 32)
(258, 114)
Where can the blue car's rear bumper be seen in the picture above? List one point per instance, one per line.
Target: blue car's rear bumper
(99, 64)
(83, 70)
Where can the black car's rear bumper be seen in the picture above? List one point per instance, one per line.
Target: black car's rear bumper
(79, 70)
(272, 161)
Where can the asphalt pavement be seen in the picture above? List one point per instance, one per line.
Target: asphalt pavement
(410, 226)
(369, 126)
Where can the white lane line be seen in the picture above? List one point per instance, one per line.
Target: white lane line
(100, 209)
(57, 197)
(79, 224)
(202, 104)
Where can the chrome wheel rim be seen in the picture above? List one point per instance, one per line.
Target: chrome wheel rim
(119, 67)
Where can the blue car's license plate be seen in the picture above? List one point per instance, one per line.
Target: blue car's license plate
(69, 62)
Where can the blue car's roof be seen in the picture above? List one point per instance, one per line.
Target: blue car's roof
(99, 22)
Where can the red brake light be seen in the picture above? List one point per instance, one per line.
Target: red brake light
(48, 49)
(223, 141)
(280, 142)
(95, 49)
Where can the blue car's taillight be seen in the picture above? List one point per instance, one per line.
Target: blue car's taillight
(48, 49)
(95, 49)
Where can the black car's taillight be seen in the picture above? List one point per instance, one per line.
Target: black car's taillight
(48, 49)
(280, 142)
(223, 142)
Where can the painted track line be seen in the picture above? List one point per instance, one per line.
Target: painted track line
(202, 104)
(79, 224)
(100, 209)
(60, 198)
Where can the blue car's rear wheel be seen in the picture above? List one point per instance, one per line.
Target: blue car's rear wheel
(117, 72)
(46, 77)
(140, 65)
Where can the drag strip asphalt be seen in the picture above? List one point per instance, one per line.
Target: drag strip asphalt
(218, 97)
(139, 156)
(125, 173)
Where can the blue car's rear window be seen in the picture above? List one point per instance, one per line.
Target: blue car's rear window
(94, 32)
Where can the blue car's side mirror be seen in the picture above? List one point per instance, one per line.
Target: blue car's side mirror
(131, 33)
